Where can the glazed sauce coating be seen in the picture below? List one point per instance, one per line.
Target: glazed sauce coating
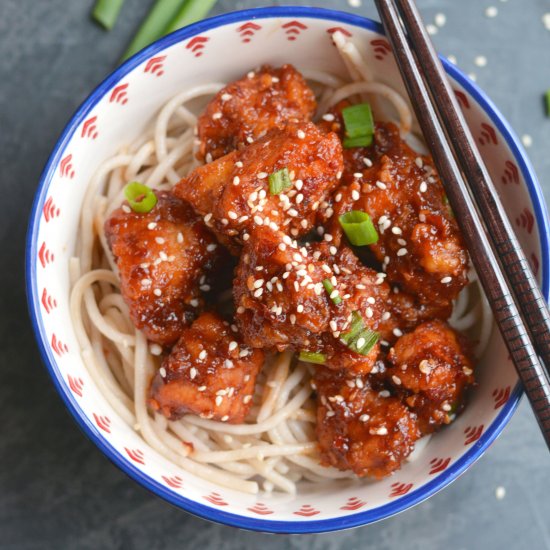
(282, 303)
(431, 369)
(359, 428)
(209, 372)
(245, 110)
(419, 246)
(163, 258)
(232, 193)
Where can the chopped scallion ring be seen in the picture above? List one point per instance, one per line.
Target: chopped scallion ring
(360, 141)
(358, 227)
(312, 357)
(279, 181)
(359, 338)
(358, 120)
(329, 287)
(547, 101)
(141, 198)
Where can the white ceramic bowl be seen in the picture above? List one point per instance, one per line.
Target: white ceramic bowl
(223, 48)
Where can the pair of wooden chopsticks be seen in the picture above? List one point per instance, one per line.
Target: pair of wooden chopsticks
(517, 303)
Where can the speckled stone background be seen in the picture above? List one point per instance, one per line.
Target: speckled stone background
(56, 489)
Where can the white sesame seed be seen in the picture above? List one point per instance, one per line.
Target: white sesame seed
(396, 380)
(299, 198)
(396, 230)
(160, 240)
(157, 292)
(126, 208)
(258, 293)
(360, 342)
(258, 220)
(146, 282)
(355, 195)
(208, 217)
(216, 116)
(381, 185)
(382, 431)
(194, 302)
(440, 19)
(446, 280)
(422, 217)
(384, 393)
(369, 313)
(419, 162)
(327, 237)
(367, 161)
(480, 61)
(527, 140)
(201, 388)
(262, 175)
(397, 332)
(249, 139)
(247, 399)
(155, 349)
(301, 134)
(224, 418)
(225, 97)
(364, 418)
(205, 288)
(292, 212)
(233, 345)
(467, 371)
(228, 364)
(232, 215)
(258, 283)
(358, 174)
(423, 187)
(329, 117)
(338, 197)
(402, 252)
(162, 372)
(424, 366)
(151, 225)
(402, 242)
(386, 315)
(446, 407)
(192, 372)
(246, 236)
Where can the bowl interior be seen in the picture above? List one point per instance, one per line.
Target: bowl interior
(220, 50)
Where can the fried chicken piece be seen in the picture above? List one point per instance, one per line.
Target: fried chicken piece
(232, 193)
(432, 368)
(419, 245)
(282, 302)
(164, 258)
(245, 110)
(209, 372)
(361, 429)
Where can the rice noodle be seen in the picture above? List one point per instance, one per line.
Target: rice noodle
(276, 445)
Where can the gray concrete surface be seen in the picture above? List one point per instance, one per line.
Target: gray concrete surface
(56, 489)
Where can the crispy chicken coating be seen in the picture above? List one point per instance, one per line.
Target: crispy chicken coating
(432, 368)
(282, 302)
(164, 258)
(247, 109)
(209, 372)
(359, 428)
(419, 246)
(233, 195)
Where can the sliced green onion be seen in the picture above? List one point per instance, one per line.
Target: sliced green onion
(312, 357)
(358, 120)
(189, 12)
(153, 26)
(279, 181)
(106, 12)
(446, 202)
(359, 338)
(356, 327)
(329, 287)
(358, 227)
(547, 101)
(361, 141)
(140, 197)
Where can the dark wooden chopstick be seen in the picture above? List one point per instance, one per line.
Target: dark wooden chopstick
(513, 261)
(495, 285)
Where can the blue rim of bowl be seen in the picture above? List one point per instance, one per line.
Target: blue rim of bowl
(207, 512)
